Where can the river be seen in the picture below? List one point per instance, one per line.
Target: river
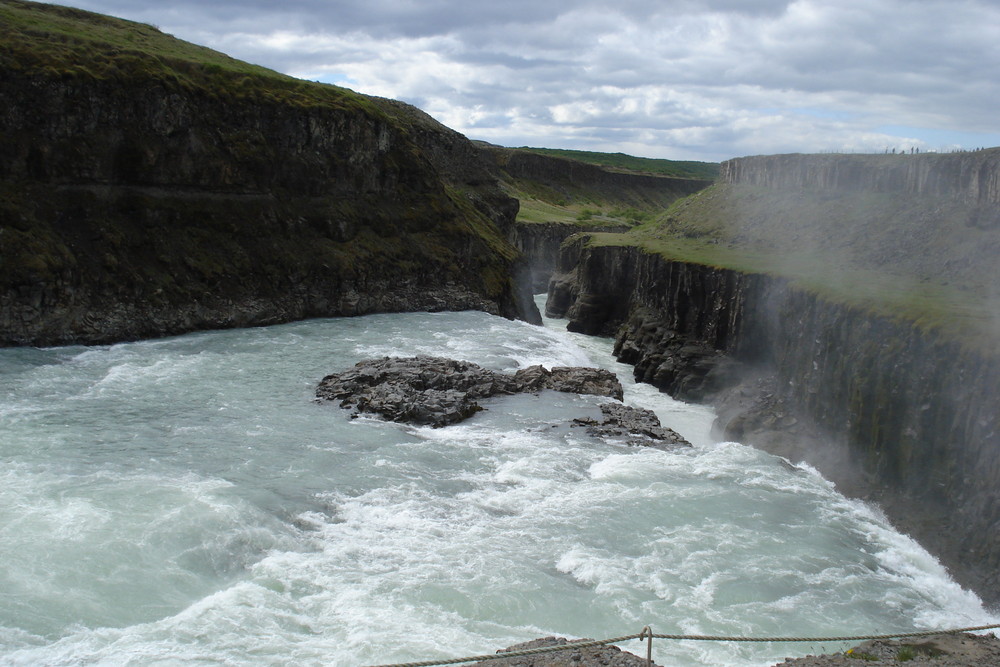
(184, 501)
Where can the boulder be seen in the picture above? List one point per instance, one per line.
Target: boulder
(435, 391)
(636, 426)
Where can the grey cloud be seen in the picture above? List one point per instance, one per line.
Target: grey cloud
(730, 73)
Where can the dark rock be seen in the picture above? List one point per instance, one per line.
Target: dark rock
(595, 656)
(540, 244)
(578, 380)
(685, 368)
(636, 426)
(436, 391)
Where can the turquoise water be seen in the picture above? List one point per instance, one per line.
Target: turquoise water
(185, 502)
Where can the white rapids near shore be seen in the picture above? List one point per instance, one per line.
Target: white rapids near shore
(184, 501)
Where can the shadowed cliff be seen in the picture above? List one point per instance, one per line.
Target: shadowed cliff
(149, 186)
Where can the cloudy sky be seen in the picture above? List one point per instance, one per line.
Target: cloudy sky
(680, 79)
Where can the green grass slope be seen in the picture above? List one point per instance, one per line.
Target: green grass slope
(925, 259)
(70, 43)
(582, 188)
(643, 165)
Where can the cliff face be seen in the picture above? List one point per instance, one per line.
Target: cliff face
(885, 409)
(570, 175)
(540, 244)
(136, 205)
(974, 176)
(594, 187)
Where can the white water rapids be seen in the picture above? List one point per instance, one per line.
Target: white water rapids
(185, 502)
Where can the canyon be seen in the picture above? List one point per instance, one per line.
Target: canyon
(837, 309)
(894, 404)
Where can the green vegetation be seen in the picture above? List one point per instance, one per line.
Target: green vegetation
(586, 214)
(69, 43)
(558, 201)
(543, 204)
(922, 259)
(621, 162)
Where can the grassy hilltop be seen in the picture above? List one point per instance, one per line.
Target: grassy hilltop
(68, 43)
(708, 171)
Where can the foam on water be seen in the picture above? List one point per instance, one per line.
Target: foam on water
(184, 501)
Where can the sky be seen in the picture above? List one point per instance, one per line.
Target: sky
(679, 79)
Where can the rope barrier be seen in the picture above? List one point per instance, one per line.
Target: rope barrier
(899, 635)
(648, 635)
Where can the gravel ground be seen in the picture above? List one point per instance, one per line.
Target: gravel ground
(954, 650)
(962, 650)
(597, 656)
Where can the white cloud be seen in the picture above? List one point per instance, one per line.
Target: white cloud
(693, 79)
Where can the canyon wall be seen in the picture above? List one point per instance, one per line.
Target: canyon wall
(142, 196)
(539, 243)
(974, 176)
(585, 184)
(623, 187)
(892, 413)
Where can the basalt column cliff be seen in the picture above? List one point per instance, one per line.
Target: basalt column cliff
(839, 310)
(149, 186)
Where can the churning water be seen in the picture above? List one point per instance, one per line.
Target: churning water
(184, 501)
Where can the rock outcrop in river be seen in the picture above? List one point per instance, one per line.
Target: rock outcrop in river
(149, 186)
(435, 391)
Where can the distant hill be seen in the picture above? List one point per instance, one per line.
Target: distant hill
(644, 165)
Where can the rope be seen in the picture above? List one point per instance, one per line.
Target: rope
(649, 635)
(898, 635)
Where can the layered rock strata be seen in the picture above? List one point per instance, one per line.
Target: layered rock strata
(142, 196)
(887, 411)
(974, 176)
(570, 175)
(539, 243)
(580, 182)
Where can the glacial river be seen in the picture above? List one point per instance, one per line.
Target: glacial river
(184, 501)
